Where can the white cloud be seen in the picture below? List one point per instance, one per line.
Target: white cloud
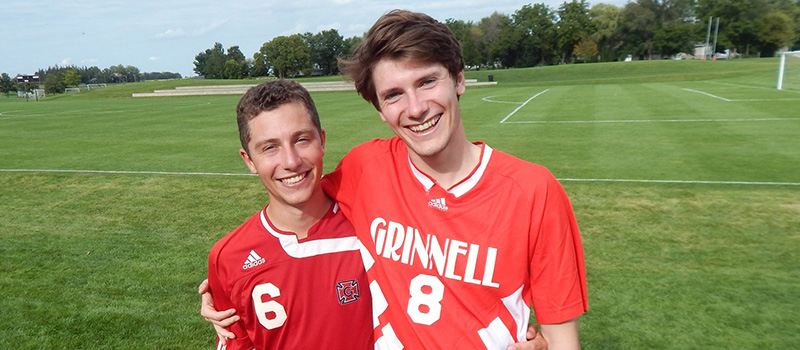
(154, 58)
(210, 28)
(66, 62)
(171, 33)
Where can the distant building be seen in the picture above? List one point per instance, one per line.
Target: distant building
(27, 79)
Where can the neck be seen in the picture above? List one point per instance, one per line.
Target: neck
(299, 218)
(452, 164)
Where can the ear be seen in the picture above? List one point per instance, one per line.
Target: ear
(248, 161)
(383, 119)
(461, 84)
(322, 138)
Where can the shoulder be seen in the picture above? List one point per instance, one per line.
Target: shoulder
(520, 171)
(376, 148)
(333, 225)
(238, 238)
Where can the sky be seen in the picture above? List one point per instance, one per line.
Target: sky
(166, 35)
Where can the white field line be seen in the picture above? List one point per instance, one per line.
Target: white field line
(489, 99)
(652, 121)
(689, 182)
(522, 105)
(742, 100)
(121, 172)
(750, 86)
(709, 95)
(751, 183)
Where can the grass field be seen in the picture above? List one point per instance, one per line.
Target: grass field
(684, 175)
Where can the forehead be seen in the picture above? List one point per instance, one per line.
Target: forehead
(388, 72)
(288, 118)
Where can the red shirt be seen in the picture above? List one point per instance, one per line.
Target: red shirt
(460, 267)
(293, 294)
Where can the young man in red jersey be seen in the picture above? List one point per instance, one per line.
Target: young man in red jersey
(463, 239)
(295, 265)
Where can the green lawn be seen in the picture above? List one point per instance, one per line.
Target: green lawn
(684, 175)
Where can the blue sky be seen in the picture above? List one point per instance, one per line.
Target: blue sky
(165, 35)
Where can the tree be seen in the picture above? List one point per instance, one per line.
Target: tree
(54, 83)
(492, 29)
(289, 55)
(507, 47)
(673, 38)
(71, 77)
(211, 62)
(232, 70)
(240, 68)
(468, 38)
(738, 26)
(7, 84)
(573, 24)
(538, 25)
(260, 66)
(325, 47)
(777, 30)
(639, 26)
(350, 44)
(608, 30)
(585, 50)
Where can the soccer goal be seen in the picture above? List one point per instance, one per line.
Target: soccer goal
(793, 63)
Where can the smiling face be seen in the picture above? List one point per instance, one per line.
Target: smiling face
(419, 101)
(285, 151)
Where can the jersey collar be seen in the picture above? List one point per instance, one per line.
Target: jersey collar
(464, 185)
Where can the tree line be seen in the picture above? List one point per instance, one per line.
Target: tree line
(283, 56)
(56, 79)
(537, 34)
(533, 35)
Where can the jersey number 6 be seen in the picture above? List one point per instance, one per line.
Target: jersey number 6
(265, 309)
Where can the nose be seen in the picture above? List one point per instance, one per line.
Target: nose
(417, 105)
(291, 158)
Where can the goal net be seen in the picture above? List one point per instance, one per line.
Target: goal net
(789, 70)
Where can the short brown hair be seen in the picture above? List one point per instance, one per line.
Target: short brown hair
(268, 96)
(402, 35)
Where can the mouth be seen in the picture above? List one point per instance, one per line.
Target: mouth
(294, 179)
(425, 126)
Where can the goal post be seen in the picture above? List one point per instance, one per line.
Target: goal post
(782, 66)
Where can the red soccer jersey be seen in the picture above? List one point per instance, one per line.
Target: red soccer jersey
(458, 268)
(293, 294)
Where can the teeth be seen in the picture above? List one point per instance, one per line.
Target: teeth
(293, 180)
(423, 127)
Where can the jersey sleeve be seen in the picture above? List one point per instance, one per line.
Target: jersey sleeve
(558, 276)
(221, 299)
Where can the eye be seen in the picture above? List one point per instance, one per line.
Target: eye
(268, 148)
(391, 96)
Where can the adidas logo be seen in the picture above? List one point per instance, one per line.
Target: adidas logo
(438, 204)
(253, 260)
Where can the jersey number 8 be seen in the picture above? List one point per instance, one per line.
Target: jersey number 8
(430, 297)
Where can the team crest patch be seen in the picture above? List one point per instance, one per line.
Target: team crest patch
(347, 291)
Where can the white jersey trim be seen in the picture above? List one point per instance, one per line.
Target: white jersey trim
(298, 250)
(463, 187)
(520, 311)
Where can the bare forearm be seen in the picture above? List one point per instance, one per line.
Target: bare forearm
(562, 336)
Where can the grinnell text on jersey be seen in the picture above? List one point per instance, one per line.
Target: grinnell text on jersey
(405, 244)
